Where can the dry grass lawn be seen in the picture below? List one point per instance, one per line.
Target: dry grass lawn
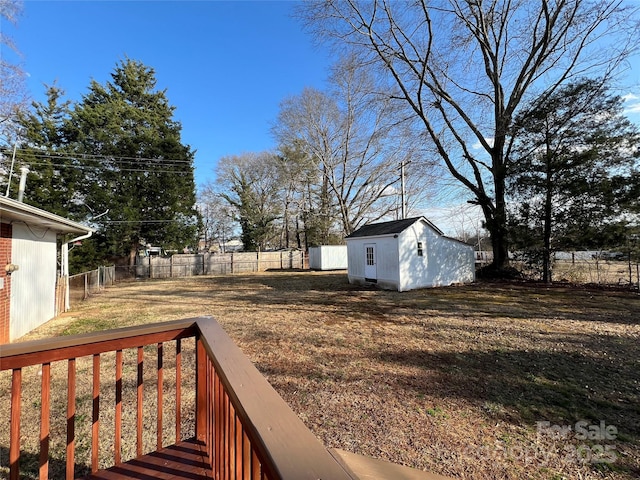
(453, 380)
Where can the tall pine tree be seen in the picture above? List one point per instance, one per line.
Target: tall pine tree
(574, 152)
(136, 166)
(54, 175)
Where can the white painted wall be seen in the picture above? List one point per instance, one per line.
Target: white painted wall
(33, 286)
(328, 257)
(386, 260)
(445, 261)
(414, 269)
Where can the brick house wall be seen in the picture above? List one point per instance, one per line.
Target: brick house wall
(6, 236)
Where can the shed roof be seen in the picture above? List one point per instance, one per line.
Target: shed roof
(390, 228)
(14, 211)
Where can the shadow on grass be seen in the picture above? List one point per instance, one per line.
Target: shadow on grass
(312, 291)
(30, 465)
(512, 385)
(514, 300)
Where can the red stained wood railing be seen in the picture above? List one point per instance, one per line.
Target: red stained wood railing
(139, 398)
(71, 418)
(246, 428)
(68, 349)
(95, 413)
(159, 409)
(178, 389)
(45, 398)
(117, 449)
(14, 445)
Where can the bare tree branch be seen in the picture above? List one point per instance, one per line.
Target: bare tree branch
(464, 68)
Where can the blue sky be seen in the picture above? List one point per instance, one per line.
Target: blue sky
(226, 66)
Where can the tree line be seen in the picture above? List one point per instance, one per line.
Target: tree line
(470, 73)
(338, 166)
(114, 161)
(514, 102)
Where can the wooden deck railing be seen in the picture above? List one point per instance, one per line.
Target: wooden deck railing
(245, 428)
(248, 430)
(16, 357)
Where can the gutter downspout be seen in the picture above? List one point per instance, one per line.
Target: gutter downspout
(64, 267)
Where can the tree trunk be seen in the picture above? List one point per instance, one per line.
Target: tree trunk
(324, 208)
(133, 251)
(496, 215)
(546, 249)
(500, 247)
(496, 225)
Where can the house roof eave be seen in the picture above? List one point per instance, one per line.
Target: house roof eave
(13, 211)
(391, 228)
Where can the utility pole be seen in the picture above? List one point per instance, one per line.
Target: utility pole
(403, 192)
(13, 160)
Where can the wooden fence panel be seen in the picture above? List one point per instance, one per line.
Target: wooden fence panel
(187, 265)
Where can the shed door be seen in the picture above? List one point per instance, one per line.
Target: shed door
(370, 272)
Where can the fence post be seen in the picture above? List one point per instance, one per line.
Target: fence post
(232, 263)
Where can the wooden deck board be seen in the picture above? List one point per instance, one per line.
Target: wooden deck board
(186, 460)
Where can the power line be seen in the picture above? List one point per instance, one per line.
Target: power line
(115, 170)
(46, 160)
(139, 221)
(87, 156)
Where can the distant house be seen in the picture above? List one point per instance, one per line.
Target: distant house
(30, 291)
(407, 254)
(231, 246)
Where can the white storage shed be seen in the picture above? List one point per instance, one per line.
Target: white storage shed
(328, 257)
(408, 254)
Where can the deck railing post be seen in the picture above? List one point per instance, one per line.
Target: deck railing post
(201, 391)
(45, 398)
(14, 448)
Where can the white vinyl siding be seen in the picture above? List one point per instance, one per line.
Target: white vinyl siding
(33, 284)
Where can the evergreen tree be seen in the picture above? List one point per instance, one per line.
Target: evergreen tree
(135, 164)
(573, 156)
(54, 175)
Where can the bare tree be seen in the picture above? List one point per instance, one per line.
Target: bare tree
(354, 139)
(250, 185)
(308, 124)
(217, 218)
(298, 176)
(464, 67)
(13, 97)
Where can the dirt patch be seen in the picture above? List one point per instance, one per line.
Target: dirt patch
(466, 381)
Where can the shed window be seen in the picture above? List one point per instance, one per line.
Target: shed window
(420, 249)
(370, 257)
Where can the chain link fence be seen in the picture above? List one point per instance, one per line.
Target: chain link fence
(82, 285)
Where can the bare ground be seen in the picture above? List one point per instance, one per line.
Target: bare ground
(459, 381)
